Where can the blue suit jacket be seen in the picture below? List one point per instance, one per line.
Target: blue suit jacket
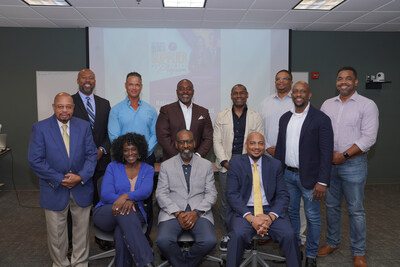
(48, 158)
(315, 147)
(239, 185)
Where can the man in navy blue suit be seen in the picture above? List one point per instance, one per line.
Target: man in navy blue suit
(62, 153)
(305, 149)
(243, 221)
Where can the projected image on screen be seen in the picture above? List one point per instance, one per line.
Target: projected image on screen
(213, 59)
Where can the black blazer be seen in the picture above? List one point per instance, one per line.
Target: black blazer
(315, 147)
(100, 133)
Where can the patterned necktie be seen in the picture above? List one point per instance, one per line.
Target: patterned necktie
(65, 137)
(258, 207)
(90, 112)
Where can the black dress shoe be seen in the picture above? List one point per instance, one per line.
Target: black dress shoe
(310, 262)
(104, 245)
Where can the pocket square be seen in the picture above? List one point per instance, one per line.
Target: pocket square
(201, 118)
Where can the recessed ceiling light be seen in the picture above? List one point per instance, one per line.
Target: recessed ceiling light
(184, 3)
(318, 4)
(47, 2)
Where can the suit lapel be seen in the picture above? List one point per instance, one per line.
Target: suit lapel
(179, 169)
(195, 116)
(307, 121)
(81, 106)
(248, 180)
(265, 176)
(180, 118)
(74, 132)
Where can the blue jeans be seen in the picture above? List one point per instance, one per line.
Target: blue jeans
(348, 180)
(312, 209)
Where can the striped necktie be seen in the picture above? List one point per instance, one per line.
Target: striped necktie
(258, 207)
(90, 112)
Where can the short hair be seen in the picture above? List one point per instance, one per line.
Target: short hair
(189, 81)
(135, 139)
(134, 74)
(347, 68)
(184, 130)
(238, 85)
(286, 71)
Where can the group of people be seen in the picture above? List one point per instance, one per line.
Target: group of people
(268, 163)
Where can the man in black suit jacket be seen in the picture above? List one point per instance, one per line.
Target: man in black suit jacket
(101, 108)
(305, 149)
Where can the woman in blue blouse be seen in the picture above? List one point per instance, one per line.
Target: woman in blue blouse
(128, 181)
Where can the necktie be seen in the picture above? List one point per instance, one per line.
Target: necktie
(258, 207)
(90, 112)
(65, 137)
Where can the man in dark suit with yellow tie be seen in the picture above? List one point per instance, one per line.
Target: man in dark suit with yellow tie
(258, 198)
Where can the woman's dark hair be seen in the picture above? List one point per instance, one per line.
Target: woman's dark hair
(137, 140)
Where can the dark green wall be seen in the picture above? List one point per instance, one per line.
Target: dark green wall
(23, 51)
(368, 53)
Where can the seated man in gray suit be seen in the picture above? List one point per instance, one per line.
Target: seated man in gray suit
(185, 194)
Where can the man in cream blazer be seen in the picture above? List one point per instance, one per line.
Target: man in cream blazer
(231, 128)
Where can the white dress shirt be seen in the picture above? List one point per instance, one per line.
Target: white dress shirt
(187, 114)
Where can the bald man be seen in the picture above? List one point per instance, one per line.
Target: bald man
(63, 155)
(305, 149)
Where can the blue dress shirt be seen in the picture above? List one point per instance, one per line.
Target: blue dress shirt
(124, 119)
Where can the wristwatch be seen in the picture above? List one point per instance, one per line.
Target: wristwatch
(346, 156)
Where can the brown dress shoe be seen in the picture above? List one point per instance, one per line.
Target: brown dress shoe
(325, 250)
(359, 261)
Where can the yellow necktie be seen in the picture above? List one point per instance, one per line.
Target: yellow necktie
(258, 207)
(65, 137)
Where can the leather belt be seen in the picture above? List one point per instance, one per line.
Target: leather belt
(292, 169)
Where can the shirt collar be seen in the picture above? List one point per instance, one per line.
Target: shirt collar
(304, 113)
(354, 97)
(289, 95)
(128, 101)
(259, 161)
(60, 124)
(83, 96)
(184, 107)
(183, 163)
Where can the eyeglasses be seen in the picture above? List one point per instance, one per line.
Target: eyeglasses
(283, 79)
(182, 142)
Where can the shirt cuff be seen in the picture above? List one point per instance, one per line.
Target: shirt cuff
(244, 215)
(198, 154)
(102, 149)
(323, 184)
(223, 163)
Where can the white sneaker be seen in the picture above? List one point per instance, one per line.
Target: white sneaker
(223, 245)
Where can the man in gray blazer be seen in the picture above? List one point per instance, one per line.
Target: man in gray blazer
(186, 193)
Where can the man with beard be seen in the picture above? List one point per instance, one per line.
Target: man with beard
(184, 114)
(186, 194)
(355, 125)
(304, 147)
(258, 201)
(95, 110)
(63, 155)
(231, 128)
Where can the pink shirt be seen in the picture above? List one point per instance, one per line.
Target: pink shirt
(355, 121)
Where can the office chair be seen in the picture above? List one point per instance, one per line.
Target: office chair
(185, 241)
(106, 236)
(253, 256)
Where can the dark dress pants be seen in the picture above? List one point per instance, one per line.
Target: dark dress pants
(241, 233)
(204, 236)
(130, 242)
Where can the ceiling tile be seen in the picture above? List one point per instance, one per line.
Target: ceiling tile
(51, 12)
(302, 16)
(323, 26)
(357, 27)
(341, 16)
(361, 5)
(177, 14)
(231, 4)
(143, 13)
(396, 20)
(283, 5)
(219, 24)
(134, 3)
(111, 23)
(72, 23)
(290, 25)
(387, 27)
(40, 23)
(101, 13)
(92, 3)
(20, 12)
(393, 5)
(254, 25)
(378, 17)
(223, 14)
(8, 23)
(12, 3)
(263, 15)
